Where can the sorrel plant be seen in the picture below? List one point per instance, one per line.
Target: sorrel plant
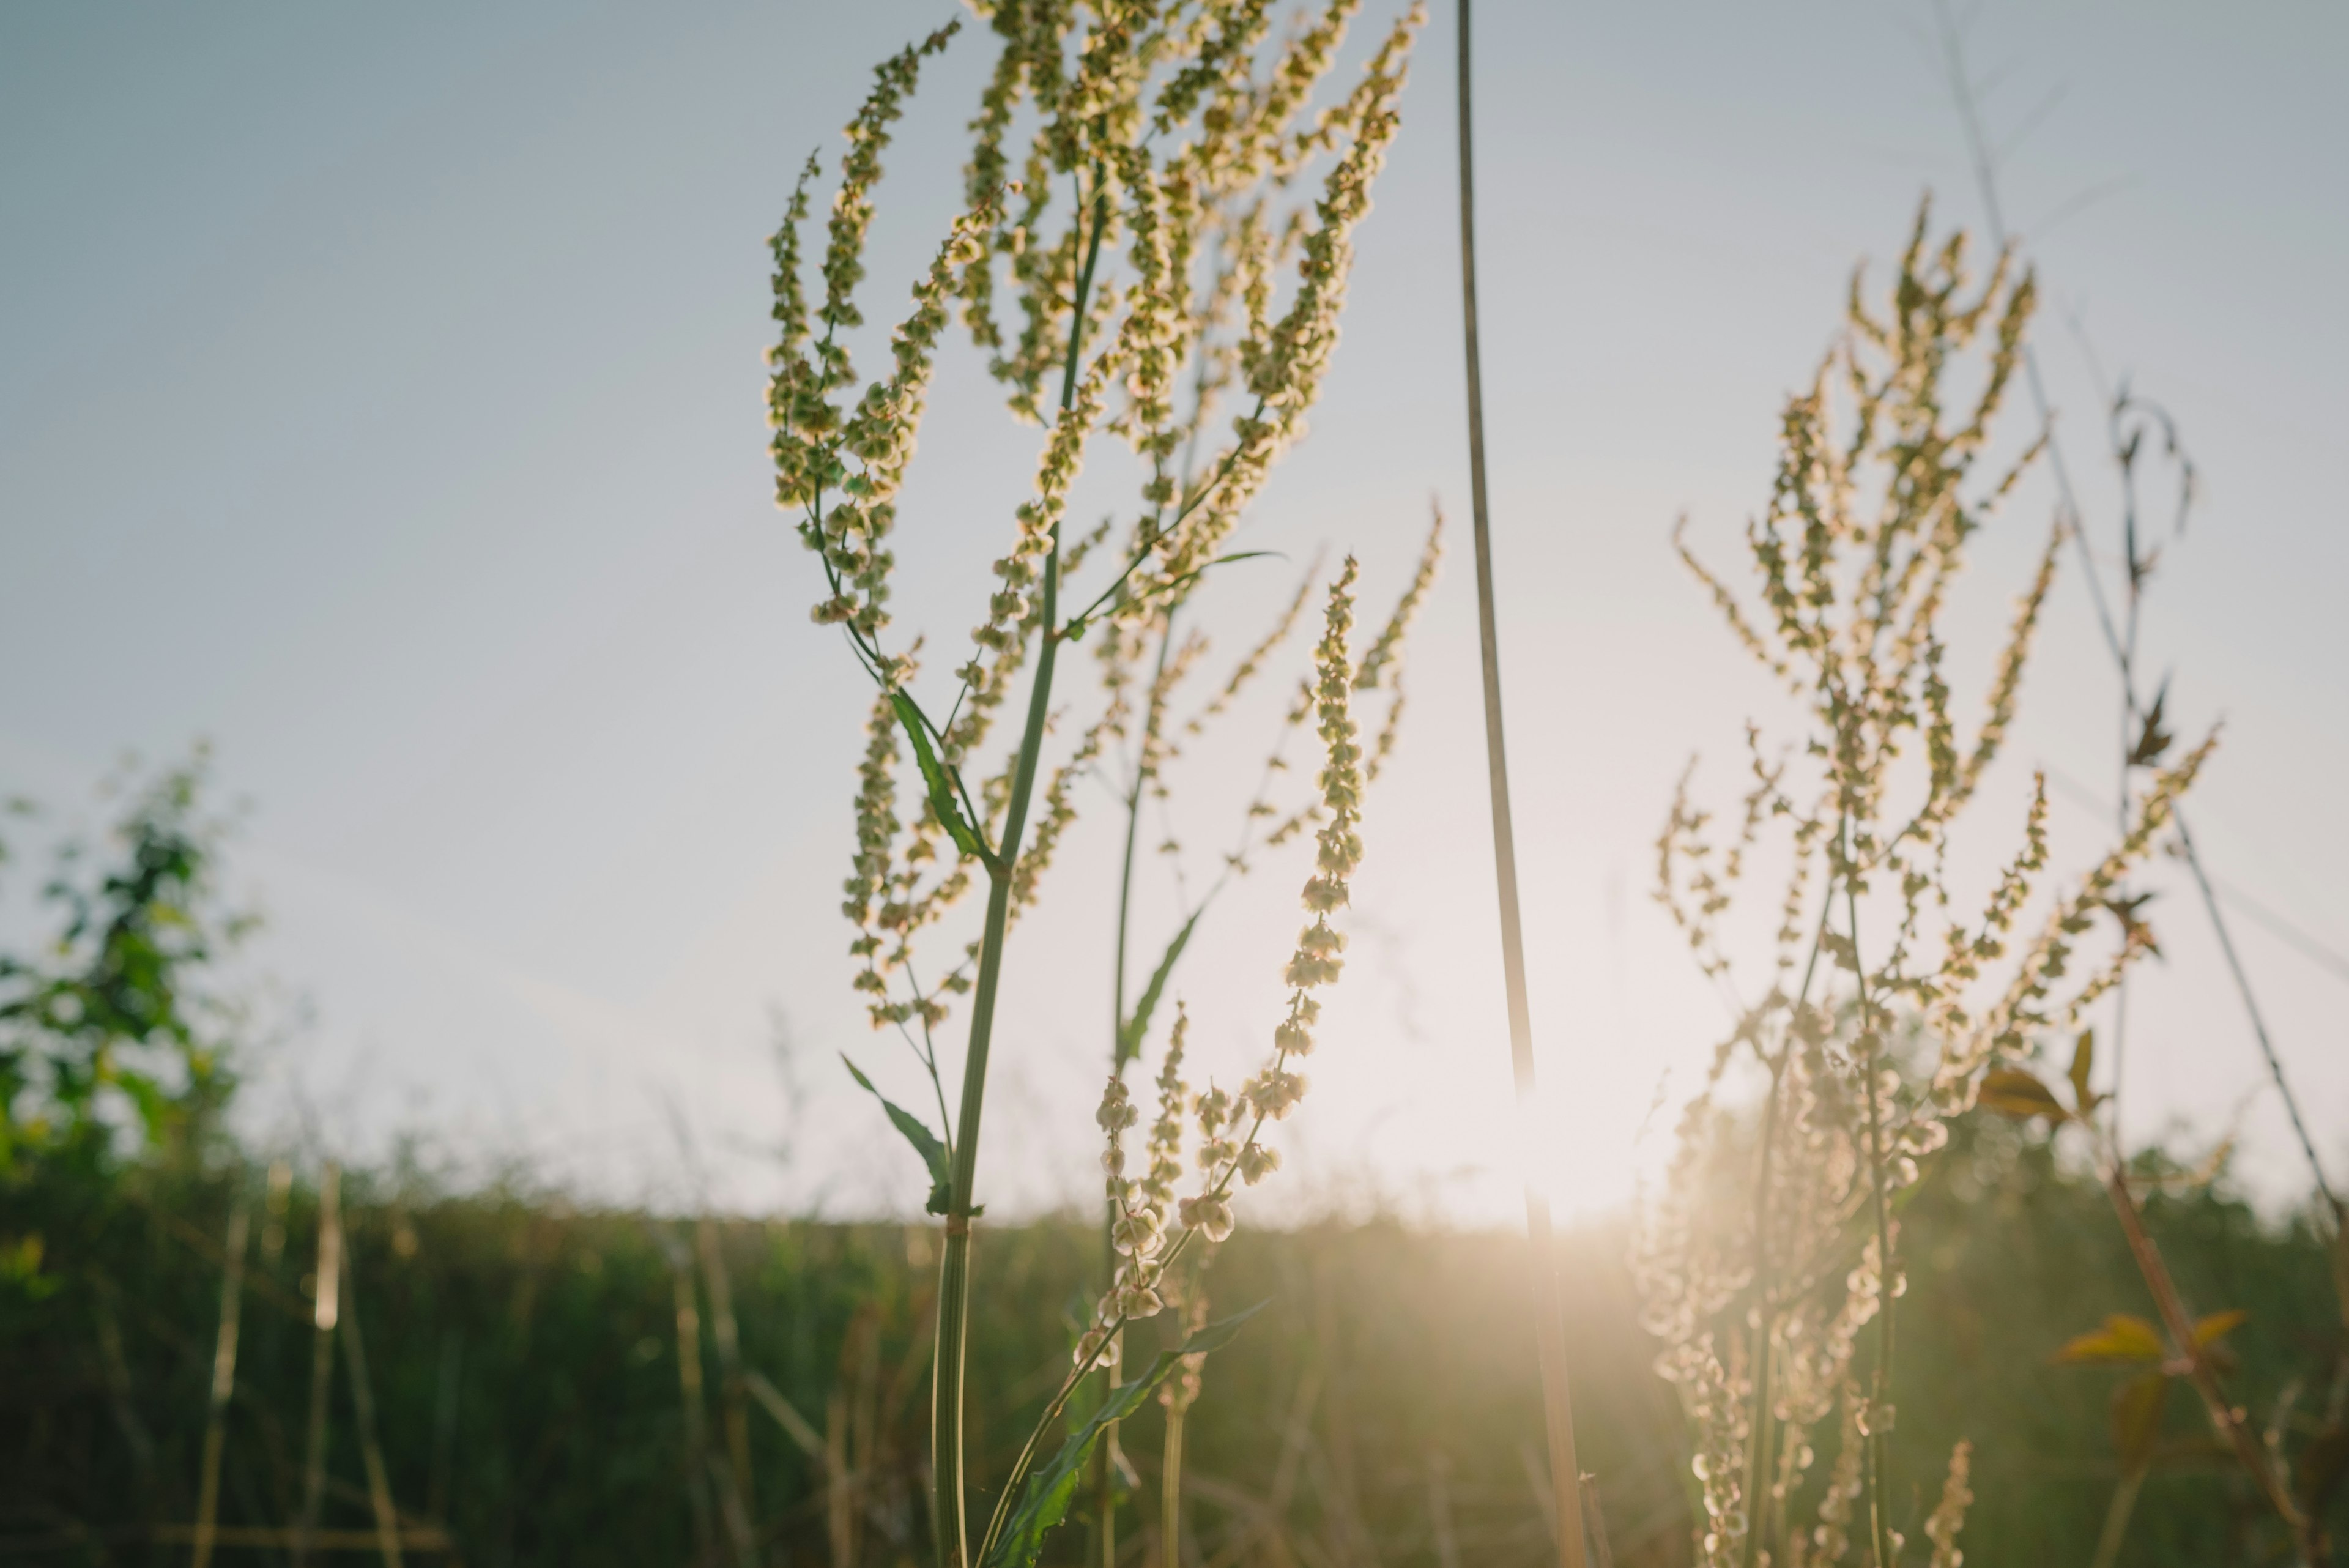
(1770, 1263)
(1181, 137)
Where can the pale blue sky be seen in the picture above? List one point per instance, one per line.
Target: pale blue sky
(379, 396)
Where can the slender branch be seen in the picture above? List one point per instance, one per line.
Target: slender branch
(2224, 1417)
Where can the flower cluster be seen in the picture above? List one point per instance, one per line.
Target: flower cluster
(1138, 1231)
(1231, 1126)
(1949, 1517)
(1141, 302)
(1282, 362)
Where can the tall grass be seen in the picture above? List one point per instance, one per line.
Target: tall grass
(1382, 1397)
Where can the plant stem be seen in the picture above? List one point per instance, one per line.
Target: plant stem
(1761, 1427)
(324, 1314)
(223, 1382)
(953, 1266)
(1879, 1406)
(1170, 1492)
(386, 1517)
(687, 1319)
(2116, 1517)
(2229, 1421)
(1104, 1492)
(1550, 1329)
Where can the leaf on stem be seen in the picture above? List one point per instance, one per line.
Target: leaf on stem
(2084, 1065)
(2011, 1092)
(2123, 1341)
(1045, 1499)
(941, 786)
(2218, 1326)
(1134, 1031)
(925, 1143)
(2153, 739)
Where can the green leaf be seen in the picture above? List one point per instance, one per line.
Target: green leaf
(933, 774)
(925, 1143)
(2011, 1092)
(1134, 1030)
(2123, 1341)
(1045, 1498)
(2136, 1419)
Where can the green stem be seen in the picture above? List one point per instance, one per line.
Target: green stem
(953, 1267)
(1104, 1489)
(1170, 1492)
(2116, 1517)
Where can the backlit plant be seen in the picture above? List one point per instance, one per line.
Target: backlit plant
(1770, 1263)
(1156, 223)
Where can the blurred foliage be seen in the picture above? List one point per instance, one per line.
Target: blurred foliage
(525, 1357)
(111, 1042)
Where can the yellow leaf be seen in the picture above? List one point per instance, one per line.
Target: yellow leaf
(2011, 1092)
(2084, 1062)
(2218, 1326)
(2123, 1341)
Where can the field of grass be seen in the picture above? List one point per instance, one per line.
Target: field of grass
(526, 1370)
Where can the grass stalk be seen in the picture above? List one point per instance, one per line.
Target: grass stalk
(386, 1517)
(733, 1405)
(1170, 1491)
(2116, 1517)
(240, 1219)
(324, 1314)
(1602, 1551)
(444, 1424)
(687, 1319)
(1550, 1329)
(1104, 1463)
(838, 1502)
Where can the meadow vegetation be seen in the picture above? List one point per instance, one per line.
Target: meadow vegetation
(1905, 1295)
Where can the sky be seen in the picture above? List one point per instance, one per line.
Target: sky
(381, 399)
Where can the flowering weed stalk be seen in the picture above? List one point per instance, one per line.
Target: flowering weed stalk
(1158, 741)
(1179, 134)
(1770, 1264)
